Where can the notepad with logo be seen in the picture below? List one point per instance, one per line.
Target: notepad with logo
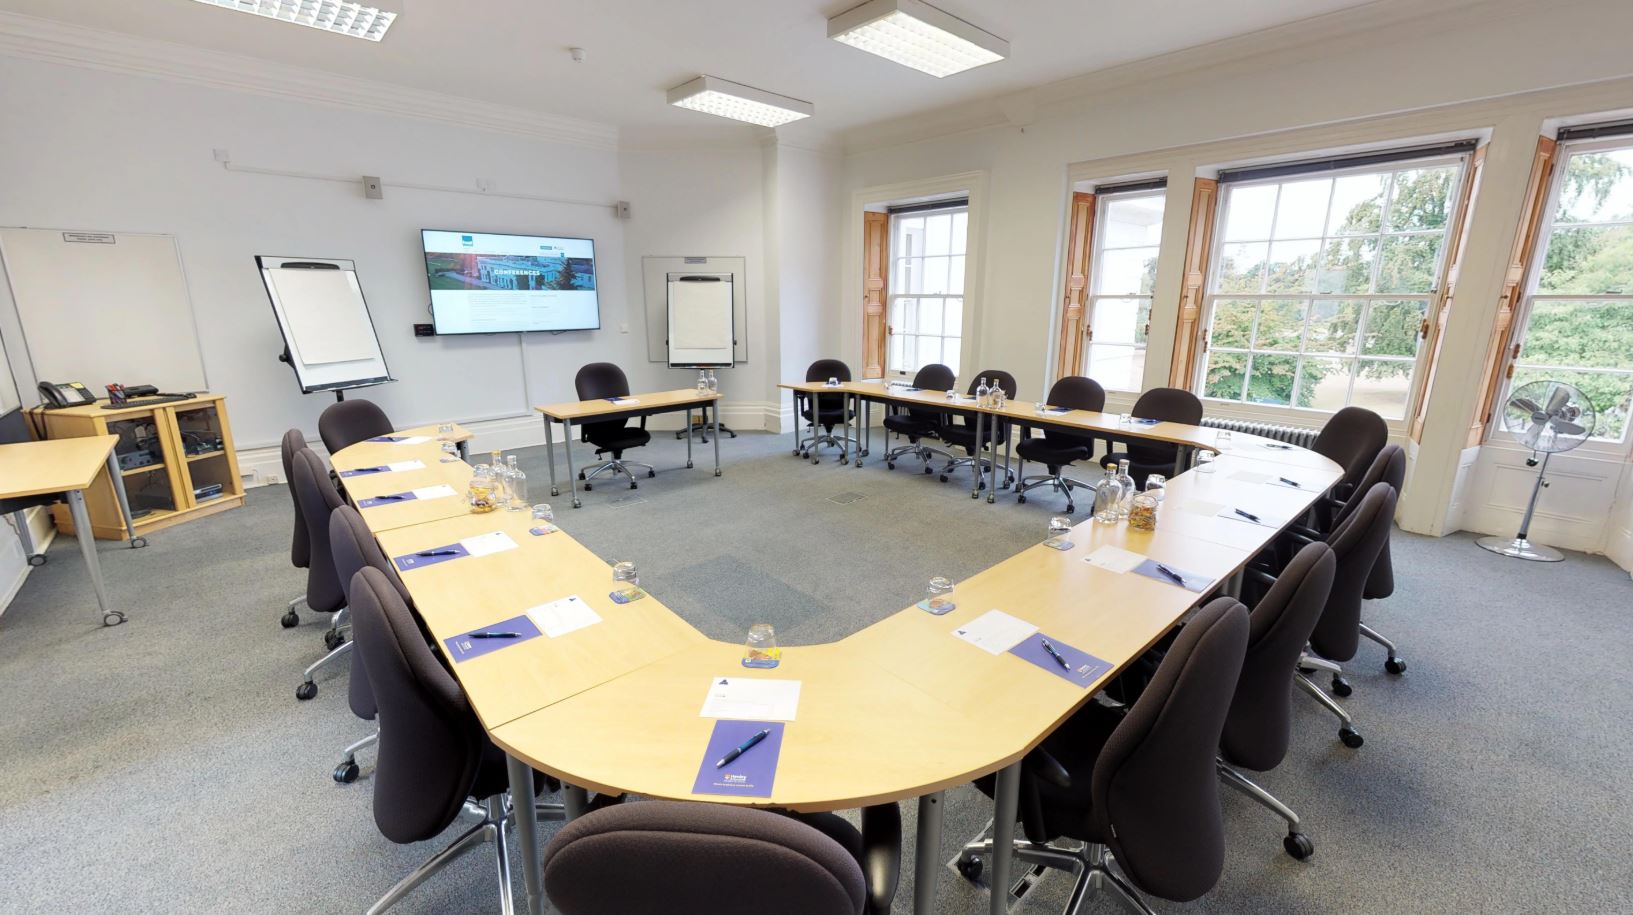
(463, 647)
(1080, 667)
(401, 439)
(749, 775)
(440, 491)
(392, 467)
(1190, 581)
(480, 545)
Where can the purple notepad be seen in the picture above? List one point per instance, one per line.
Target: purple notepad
(414, 560)
(364, 471)
(388, 499)
(749, 775)
(1084, 668)
(1193, 581)
(462, 647)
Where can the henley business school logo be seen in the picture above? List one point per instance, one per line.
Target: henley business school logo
(468, 241)
(735, 779)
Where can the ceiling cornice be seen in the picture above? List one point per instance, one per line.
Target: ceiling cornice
(62, 43)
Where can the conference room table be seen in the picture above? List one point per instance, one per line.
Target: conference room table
(608, 409)
(901, 710)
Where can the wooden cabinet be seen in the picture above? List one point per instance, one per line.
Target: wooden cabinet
(171, 453)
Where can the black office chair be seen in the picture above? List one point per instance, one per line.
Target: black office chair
(1171, 405)
(324, 590)
(916, 423)
(1352, 439)
(707, 859)
(1058, 448)
(1139, 788)
(600, 380)
(959, 431)
(300, 543)
(355, 549)
(1259, 725)
(831, 410)
(348, 422)
(1390, 467)
(434, 754)
(1356, 544)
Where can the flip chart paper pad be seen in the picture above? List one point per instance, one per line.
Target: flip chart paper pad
(326, 314)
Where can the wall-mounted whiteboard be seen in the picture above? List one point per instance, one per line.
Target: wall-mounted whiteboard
(325, 322)
(700, 320)
(100, 307)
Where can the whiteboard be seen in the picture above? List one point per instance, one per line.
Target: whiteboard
(325, 322)
(100, 307)
(700, 319)
(655, 272)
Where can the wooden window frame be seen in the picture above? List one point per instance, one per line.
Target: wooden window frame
(1188, 342)
(875, 281)
(1073, 321)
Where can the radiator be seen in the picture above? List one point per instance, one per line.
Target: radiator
(1293, 435)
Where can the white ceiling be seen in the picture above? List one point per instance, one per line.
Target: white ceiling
(514, 52)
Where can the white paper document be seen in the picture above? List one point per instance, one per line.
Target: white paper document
(560, 617)
(439, 491)
(1200, 507)
(413, 440)
(995, 631)
(395, 466)
(751, 699)
(1114, 559)
(496, 542)
(1250, 476)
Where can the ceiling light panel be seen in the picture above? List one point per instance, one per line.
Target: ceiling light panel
(727, 99)
(917, 35)
(338, 16)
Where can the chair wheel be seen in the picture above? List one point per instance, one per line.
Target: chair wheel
(816, 460)
(333, 640)
(632, 485)
(943, 478)
(1021, 499)
(1395, 665)
(588, 487)
(290, 620)
(1351, 737)
(651, 473)
(581, 474)
(970, 868)
(796, 452)
(928, 470)
(37, 560)
(306, 691)
(1298, 845)
(346, 772)
(1070, 508)
(1340, 686)
(890, 465)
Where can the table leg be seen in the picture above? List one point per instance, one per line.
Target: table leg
(1179, 459)
(567, 445)
(688, 438)
(550, 456)
(576, 801)
(927, 855)
(124, 502)
(87, 546)
(867, 428)
(862, 404)
(844, 429)
(524, 803)
(716, 412)
(975, 484)
(1007, 798)
(465, 448)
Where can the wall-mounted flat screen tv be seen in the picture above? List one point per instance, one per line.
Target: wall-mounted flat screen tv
(489, 283)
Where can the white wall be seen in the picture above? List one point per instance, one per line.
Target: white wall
(803, 213)
(13, 564)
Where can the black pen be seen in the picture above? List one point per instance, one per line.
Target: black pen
(368, 470)
(494, 635)
(1250, 517)
(742, 748)
(385, 498)
(1178, 578)
(438, 553)
(1292, 483)
(1055, 654)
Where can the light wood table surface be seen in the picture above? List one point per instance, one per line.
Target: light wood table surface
(630, 406)
(369, 454)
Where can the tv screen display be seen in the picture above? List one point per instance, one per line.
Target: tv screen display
(487, 283)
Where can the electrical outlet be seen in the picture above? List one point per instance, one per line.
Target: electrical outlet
(623, 327)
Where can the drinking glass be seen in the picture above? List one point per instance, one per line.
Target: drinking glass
(833, 382)
(625, 573)
(450, 452)
(1204, 461)
(938, 596)
(761, 648)
(445, 429)
(543, 512)
(1040, 408)
(1123, 420)
(1221, 441)
(1156, 484)
(1060, 527)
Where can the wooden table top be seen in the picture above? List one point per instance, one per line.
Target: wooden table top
(56, 465)
(136, 407)
(658, 400)
(455, 474)
(369, 454)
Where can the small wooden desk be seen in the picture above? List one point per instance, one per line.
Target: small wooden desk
(627, 407)
(68, 465)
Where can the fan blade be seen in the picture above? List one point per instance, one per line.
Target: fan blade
(1526, 404)
(1565, 427)
(1532, 435)
(1558, 400)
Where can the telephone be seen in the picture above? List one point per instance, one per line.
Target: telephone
(56, 396)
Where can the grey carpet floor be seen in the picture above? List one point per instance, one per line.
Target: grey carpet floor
(165, 766)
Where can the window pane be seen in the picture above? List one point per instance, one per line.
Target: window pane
(1409, 263)
(894, 362)
(1241, 268)
(1580, 334)
(937, 234)
(1596, 261)
(955, 275)
(1232, 325)
(1598, 188)
(1129, 272)
(1120, 320)
(905, 276)
(1281, 325)
(1117, 368)
(949, 353)
(1248, 212)
(1333, 323)
(1323, 384)
(955, 317)
(1292, 266)
(1420, 198)
(910, 352)
(1608, 393)
(908, 321)
(1270, 380)
(930, 316)
(1346, 265)
(909, 236)
(1132, 221)
(961, 224)
(935, 276)
(1357, 205)
(1383, 387)
(1302, 210)
(1392, 328)
(1224, 375)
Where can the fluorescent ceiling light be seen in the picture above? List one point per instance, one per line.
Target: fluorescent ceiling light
(917, 35)
(727, 99)
(340, 16)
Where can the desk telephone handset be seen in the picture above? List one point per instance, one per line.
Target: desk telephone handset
(72, 394)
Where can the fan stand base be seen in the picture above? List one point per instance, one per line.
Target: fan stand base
(1520, 548)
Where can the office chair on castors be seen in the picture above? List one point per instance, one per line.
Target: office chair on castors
(1351, 439)
(1058, 448)
(917, 424)
(300, 544)
(325, 593)
(600, 380)
(1171, 405)
(962, 434)
(830, 410)
(348, 422)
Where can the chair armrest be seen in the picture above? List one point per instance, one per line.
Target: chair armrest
(1042, 765)
(1261, 576)
(881, 855)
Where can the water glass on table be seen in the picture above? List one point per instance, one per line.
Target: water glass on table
(938, 596)
(761, 648)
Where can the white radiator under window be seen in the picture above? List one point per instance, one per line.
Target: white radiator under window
(1293, 435)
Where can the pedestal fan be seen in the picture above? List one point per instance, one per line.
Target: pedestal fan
(1548, 417)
